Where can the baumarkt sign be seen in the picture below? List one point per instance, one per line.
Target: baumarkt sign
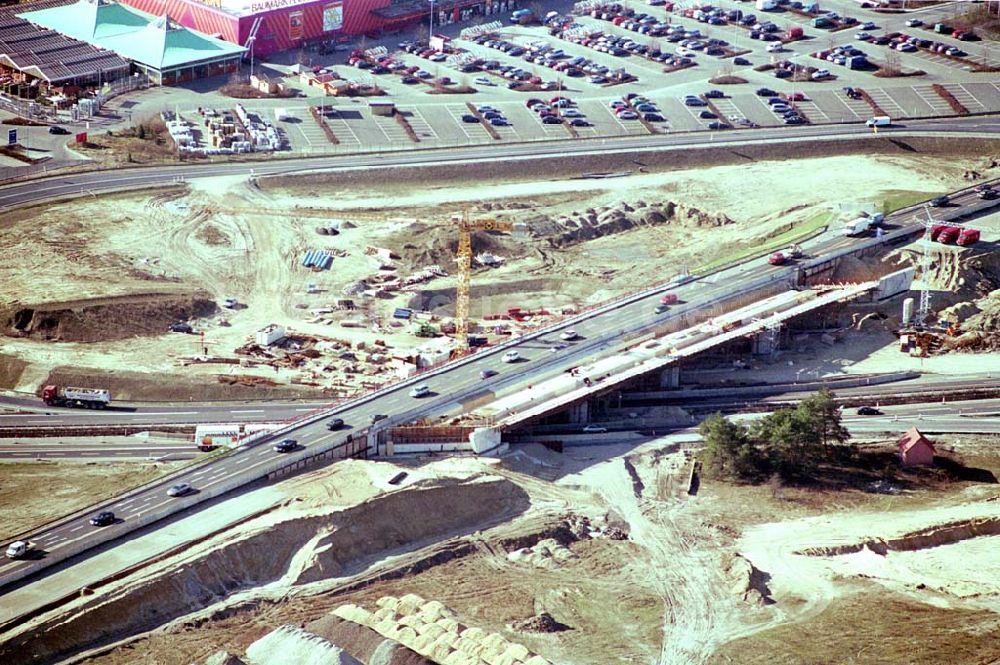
(257, 6)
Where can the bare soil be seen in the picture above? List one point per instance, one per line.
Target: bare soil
(42, 491)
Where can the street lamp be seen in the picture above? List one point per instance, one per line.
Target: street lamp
(250, 44)
(431, 29)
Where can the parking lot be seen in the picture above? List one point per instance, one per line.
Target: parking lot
(542, 59)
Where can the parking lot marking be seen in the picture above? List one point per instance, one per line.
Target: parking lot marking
(886, 102)
(932, 99)
(456, 113)
(422, 128)
(342, 130)
(969, 100)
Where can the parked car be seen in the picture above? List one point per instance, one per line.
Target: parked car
(285, 446)
(180, 489)
(766, 92)
(103, 518)
(715, 94)
(468, 117)
(55, 129)
(594, 429)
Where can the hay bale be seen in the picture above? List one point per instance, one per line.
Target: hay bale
(434, 610)
(351, 612)
(406, 635)
(432, 630)
(410, 604)
(438, 651)
(474, 633)
(451, 625)
(384, 613)
(471, 647)
(388, 601)
(517, 651)
(322, 231)
(458, 658)
(412, 620)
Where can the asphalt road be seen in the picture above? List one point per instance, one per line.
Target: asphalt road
(31, 450)
(93, 182)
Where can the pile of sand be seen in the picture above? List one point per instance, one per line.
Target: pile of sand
(433, 630)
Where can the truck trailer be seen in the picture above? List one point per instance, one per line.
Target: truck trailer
(857, 226)
(86, 398)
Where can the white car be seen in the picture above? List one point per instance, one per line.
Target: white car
(511, 357)
(180, 489)
(420, 391)
(775, 47)
(594, 429)
(567, 335)
(482, 80)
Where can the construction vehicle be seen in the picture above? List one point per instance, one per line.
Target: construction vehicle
(85, 398)
(463, 257)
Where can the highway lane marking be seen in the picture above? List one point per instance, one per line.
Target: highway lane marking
(75, 529)
(249, 411)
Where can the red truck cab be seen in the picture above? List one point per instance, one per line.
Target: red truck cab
(968, 237)
(949, 235)
(777, 259)
(668, 299)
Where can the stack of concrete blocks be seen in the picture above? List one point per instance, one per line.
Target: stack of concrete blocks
(434, 631)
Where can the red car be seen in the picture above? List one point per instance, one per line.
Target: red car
(796, 97)
(776, 259)
(936, 231)
(668, 299)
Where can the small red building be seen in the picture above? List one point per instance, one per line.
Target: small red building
(915, 449)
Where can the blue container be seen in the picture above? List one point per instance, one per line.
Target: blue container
(325, 262)
(307, 261)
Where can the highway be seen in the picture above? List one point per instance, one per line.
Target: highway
(598, 331)
(32, 450)
(92, 182)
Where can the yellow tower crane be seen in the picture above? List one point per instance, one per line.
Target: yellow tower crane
(464, 259)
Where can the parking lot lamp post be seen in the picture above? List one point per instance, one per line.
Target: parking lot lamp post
(430, 32)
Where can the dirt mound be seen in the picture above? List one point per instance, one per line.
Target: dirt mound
(592, 223)
(289, 645)
(749, 582)
(939, 534)
(485, 298)
(540, 623)
(125, 386)
(306, 547)
(438, 245)
(223, 658)
(364, 643)
(102, 319)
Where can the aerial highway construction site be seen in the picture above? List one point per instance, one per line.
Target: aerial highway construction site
(591, 531)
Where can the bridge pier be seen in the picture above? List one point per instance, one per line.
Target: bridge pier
(486, 441)
(670, 377)
(579, 413)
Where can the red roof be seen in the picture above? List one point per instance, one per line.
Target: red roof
(912, 437)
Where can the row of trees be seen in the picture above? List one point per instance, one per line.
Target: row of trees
(791, 443)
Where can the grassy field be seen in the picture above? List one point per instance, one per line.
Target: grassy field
(34, 493)
(869, 628)
(797, 233)
(902, 198)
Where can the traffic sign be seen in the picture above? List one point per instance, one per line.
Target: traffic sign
(11, 136)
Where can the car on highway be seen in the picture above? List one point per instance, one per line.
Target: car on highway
(869, 411)
(180, 489)
(375, 417)
(568, 335)
(18, 549)
(422, 390)
(334, 424)
(103, 518)
(487, 373)
(558, 346)
(286, 446)
(661, 308)
(511, 357)
(939, 201)
(594, 429)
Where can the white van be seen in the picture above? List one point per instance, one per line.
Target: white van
(18, 549)
(879, 121)
(420, 391)
(820, 74)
